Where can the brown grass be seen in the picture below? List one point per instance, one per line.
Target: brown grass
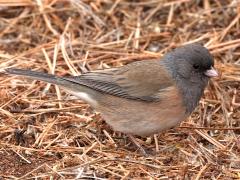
(45, 133)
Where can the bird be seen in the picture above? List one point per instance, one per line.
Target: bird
(143, 97)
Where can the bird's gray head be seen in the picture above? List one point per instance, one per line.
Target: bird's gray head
(191, 66)
(193, 62)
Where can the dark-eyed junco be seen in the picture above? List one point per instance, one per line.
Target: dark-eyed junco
(144, 97)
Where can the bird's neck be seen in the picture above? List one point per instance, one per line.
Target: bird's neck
(191, 89)
(191, 93)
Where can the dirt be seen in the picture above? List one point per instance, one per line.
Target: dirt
(12, 165)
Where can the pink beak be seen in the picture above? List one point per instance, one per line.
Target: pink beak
(211, 72)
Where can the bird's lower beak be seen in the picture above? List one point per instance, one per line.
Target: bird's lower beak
(211, 72)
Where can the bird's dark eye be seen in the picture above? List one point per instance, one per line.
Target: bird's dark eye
(196, 66)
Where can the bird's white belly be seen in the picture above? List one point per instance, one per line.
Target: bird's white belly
(83, 96)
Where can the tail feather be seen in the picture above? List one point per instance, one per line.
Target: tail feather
(37, 76)
(70, 85)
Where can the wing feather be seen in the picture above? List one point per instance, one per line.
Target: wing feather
(140, 80)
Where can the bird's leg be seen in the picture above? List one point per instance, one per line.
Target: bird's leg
(137, 144)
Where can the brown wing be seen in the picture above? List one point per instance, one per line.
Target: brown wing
(141, 80)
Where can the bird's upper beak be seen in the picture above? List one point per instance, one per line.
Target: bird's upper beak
(211, 72)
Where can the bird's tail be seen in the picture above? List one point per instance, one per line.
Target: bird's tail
(67, 83)
(38, 76)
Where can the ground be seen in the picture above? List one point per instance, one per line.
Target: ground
(45, 133)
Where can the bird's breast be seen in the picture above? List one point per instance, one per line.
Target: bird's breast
(143, 118)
